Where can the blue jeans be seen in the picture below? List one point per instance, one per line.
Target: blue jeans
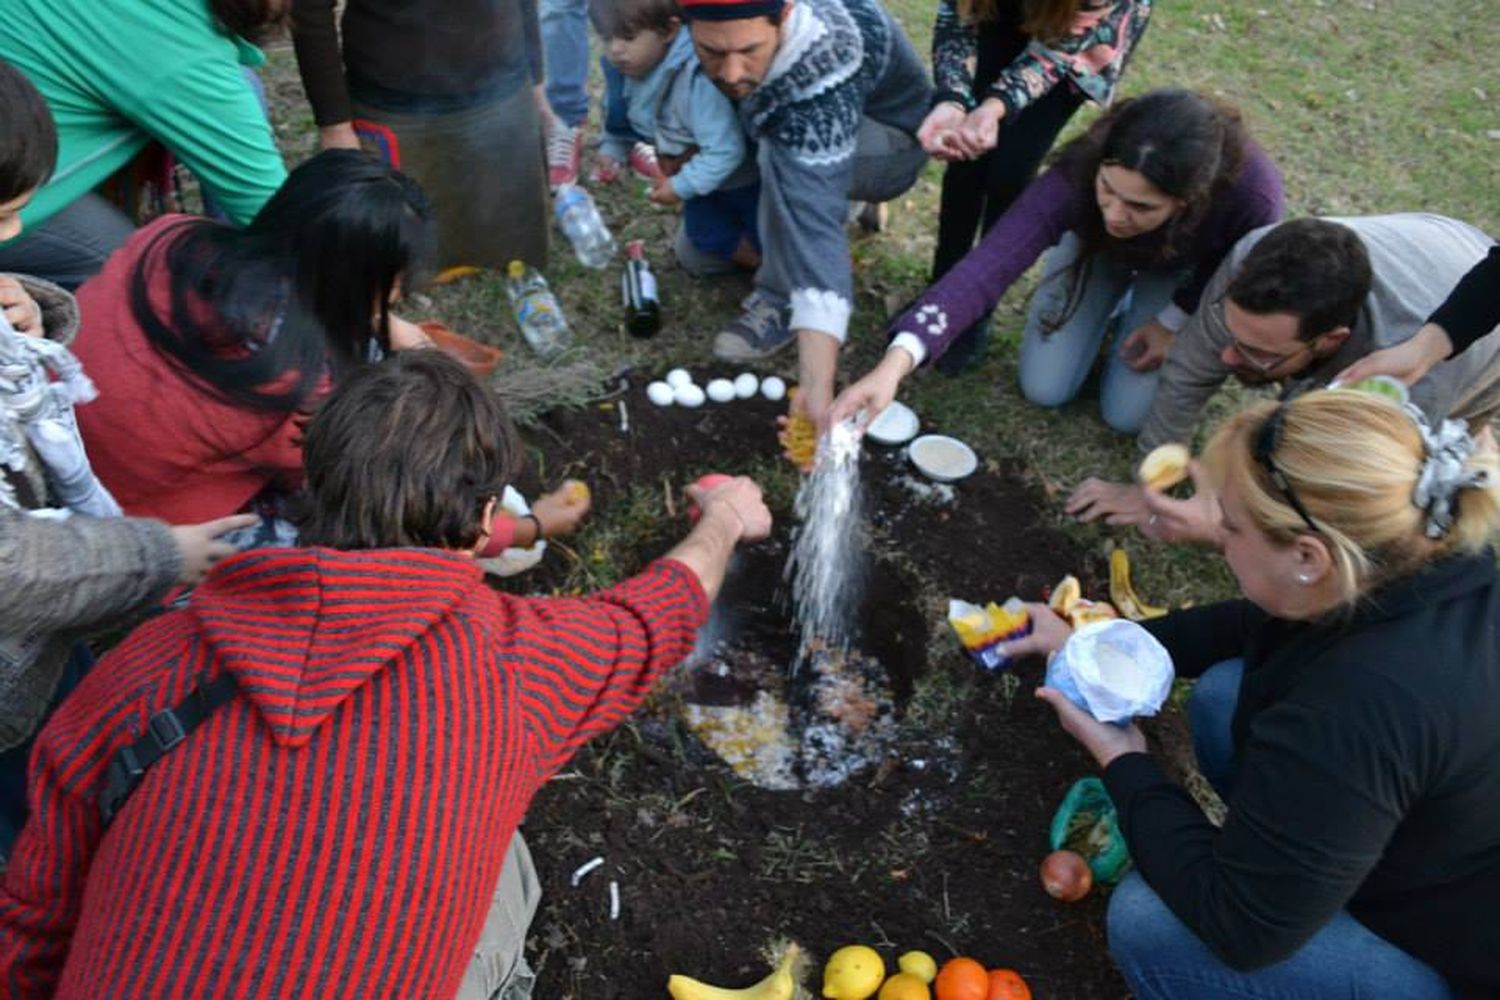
(1055, 364)
(1162, 959)
(565, 50)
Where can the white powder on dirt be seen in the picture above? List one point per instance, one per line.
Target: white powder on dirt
(825, 565)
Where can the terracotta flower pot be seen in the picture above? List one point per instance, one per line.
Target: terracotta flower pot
(481, 359)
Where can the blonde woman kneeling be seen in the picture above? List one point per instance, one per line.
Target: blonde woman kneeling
(1347, 713)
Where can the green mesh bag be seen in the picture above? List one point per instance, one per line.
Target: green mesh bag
(1100, 841)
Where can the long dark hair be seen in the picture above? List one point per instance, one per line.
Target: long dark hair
(1189, 147)
(1047, 20)
(261, 314)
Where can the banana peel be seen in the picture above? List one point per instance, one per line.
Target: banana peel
(1068, 601)
(781, 984)
(1122, 591)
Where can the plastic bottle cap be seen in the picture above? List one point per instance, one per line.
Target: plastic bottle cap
(516, 268)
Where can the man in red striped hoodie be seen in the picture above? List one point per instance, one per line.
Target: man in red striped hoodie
(338, 821)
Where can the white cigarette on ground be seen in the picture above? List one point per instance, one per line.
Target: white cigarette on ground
(624, 418)
(584, 869)
(614, 900)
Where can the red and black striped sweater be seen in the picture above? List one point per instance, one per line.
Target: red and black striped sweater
(338, 828)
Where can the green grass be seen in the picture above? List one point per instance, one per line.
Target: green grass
(1366, 105)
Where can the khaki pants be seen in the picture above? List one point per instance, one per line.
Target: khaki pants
(499, 970)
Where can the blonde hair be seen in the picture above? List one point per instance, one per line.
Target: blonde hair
(1353, 460)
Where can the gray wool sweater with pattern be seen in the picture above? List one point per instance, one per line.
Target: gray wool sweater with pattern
(61, 580)
(840, 63)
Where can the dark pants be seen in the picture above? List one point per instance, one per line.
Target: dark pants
(977, 192)
(717, 222)
(14, 763)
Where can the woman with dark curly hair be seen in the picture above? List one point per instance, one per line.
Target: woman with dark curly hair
(1138, 211)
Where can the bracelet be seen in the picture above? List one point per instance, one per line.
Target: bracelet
(540, 532)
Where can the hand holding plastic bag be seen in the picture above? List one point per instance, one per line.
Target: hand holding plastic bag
(1114, 670)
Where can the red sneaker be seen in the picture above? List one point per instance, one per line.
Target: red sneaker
(643, 162)
(564, 154)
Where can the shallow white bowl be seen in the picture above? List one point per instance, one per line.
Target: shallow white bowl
(943, 458)
(897, 424)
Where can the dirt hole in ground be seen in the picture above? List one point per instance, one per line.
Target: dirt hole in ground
(784, 721)
(935, 847)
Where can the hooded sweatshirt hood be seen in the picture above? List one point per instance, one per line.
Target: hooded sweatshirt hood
(302, 630)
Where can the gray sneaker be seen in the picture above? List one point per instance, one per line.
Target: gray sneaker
(759, 332)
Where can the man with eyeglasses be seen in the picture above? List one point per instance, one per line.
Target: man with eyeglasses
(1293, 305)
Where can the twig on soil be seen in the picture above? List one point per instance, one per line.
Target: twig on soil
(942, 941)
(947, 914)
(666, 492)
(885, 939)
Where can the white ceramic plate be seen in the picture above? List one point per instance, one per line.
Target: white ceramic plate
(897, 424)
(943, 458)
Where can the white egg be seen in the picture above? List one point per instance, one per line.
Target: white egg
(688, 395)
(721, 390)
(659, 393)
(773, 389)
(746, 385)
(679, 377)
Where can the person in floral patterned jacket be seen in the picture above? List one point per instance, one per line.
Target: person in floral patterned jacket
(1010, 74)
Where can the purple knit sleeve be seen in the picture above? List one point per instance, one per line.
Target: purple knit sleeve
(1047, 209)
(1255, 200)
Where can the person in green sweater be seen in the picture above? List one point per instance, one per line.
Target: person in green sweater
(117, 76)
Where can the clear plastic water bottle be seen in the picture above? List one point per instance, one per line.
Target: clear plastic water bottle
(579, 220)
(537, 312)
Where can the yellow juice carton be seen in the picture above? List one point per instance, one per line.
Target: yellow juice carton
(982, 630)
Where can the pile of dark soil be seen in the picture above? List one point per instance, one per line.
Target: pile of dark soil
(937, 848)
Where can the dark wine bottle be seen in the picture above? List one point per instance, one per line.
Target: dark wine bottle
(638, 290)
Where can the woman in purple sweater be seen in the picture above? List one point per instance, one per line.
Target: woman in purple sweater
(1138, 213)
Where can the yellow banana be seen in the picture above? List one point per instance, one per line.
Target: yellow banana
(1122, 592)
(779, 985)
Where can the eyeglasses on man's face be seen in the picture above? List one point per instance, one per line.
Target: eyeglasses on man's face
(1260, 360)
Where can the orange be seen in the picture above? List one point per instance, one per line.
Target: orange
(962, 979)
(904, 986)
(1007, 984)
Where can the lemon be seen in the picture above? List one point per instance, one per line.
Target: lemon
(919, 964)
(854, 972)
(905, 986)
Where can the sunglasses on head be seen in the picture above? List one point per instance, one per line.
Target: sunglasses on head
(1267, 440)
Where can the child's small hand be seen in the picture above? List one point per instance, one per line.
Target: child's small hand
(664, 193)
(20, 308)
(563, 509)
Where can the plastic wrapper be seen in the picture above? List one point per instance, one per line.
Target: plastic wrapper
(1114, 670)
(982, 630)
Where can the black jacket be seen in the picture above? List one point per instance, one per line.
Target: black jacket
(1368, 778)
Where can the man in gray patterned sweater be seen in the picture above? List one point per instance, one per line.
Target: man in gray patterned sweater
(832, 93)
